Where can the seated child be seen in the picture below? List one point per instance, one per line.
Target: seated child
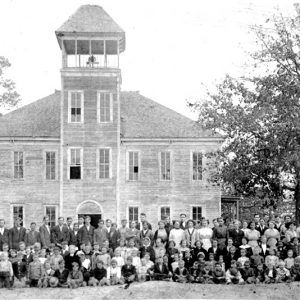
(131, 247)
(118, 258)
(188, 260)
(6, 271)
(259, 273)
(256, 259)
(283, 274)
(270, 274)
(150, 263)
(159, 248)
(98, 275)
(20, 271)
(231, 255)
(105, 257)
(211, 261)
(183, 248)
(42, 256)
(160, 271)
(147, 248)
(142, 271)
(174, 264)
(222, 263)
(47, 274)
(181, 274)
(295, 270)
(136, 261)
(243, 258)
(246, 246)
(233, 275)
(194, 272)
(75, 278)
(114, 273)
(96, 252)
(60, 276)
(55, 258)
(248, 273)
(122, 249)
(85, 267)
(218, 275)
(205, 274)
(289, 261)
(35, 271)
(197, 249)
(271, 260)
(128, 272)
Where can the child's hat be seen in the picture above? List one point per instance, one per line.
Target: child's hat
(200, 254)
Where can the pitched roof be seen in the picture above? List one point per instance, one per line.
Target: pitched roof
(140, 118)
(90, 18)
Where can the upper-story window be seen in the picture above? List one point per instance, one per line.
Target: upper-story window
(197, 158)
(50, 165)
(133, 166)
(104, 107)
(76, 107)
(75, 163)
(165, 165)
(104, 163)
(18, 165)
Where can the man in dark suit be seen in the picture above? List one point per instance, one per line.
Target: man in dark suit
(236, 234)
(32, 236)
(16, 234)
(143, 218)
(45, 233)
(183, 223)
(4, 234)
(261, 227)
(113, 236)
(86, 233)
(60, 233)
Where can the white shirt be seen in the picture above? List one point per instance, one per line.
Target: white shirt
(2, 230)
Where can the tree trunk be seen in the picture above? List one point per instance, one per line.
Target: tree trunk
(297, 200)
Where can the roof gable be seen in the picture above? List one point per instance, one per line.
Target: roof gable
(140, 118)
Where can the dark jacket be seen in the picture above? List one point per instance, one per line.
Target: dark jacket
(236, 236)
(58, 236)
(62, 276)
(4, 238)
(160, 273)
(70, 259)
(16, 236)
(113, 237)
(149, 250)
(99, 273)
(73, 238)
(45, 236)
(127, 271)
(32, 237)
(86, 236)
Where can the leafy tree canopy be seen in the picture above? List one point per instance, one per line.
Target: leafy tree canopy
(259, 117)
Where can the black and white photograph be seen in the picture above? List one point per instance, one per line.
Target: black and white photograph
(149, 149)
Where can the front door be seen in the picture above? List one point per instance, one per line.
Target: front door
(94, 218)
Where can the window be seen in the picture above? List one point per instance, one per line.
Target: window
(133, 213)
(133, 166)
(104, 163)
(104, 107)
(18, 212)
(75, 107)
(18, 165)
(50, 165)
(165, 166)
(164, 212)
(75, 163)
(197, 165)
(51, 213)
(197, 213)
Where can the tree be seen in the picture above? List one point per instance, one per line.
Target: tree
(259, 117)
(8, 95)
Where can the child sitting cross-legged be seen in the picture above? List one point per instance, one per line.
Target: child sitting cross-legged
(98, 275)
(218, 274)
(128, 272)
(47, 274)
(60, 276)
(35, 271)
(259, 273)
(118, 258)
(75, 278)
(283, 274)
(114, 273)
(194, 272)
(6, 271)
(142, 271)
(205, 273)
(256, 258)
(20, 271)
(295, 270)
(243, 258)
(181, 274)
(248, 273)
(160, 271)
(289, 261)
(233, 275)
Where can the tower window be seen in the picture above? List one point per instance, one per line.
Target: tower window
(104, 163)
(133, 166)
(18, 165)
(50, 165)
(165, 165)
(105, 107)
(75, 107)
(197, 165)
(75, 163)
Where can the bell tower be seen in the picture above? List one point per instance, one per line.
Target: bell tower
(91, 43)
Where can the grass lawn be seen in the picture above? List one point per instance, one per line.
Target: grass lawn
(163, 290)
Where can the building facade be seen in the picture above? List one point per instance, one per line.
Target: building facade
(92, 149)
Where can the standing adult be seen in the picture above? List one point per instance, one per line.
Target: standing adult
(123, 231)
(108, 225)
(16, 234)
(191, 233)
(80, 222)
(272, 235)
(74, 235)
(236, 234)
(113, 236)
(205, 234)
(60, 233)
(183, 222)
(86, 233)
(134, 233)
(261, 227)
(100, 234)
(45, 233)
(32, 236)
(69, 223)
(253, 236)
(161, 232)
(220, 233)
(177, 234)
(4, 234)
(143, 218)
(146, 232)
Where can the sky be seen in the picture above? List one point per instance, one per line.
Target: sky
(175, 49)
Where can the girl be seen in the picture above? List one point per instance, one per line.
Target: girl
(75, 278)
(159, 248)
(114, 273)
(118, 258)
(183, 248)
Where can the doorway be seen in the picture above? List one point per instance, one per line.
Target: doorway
(94, 218)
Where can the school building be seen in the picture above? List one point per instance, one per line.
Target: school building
(92, 149)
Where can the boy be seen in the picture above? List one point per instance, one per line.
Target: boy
(218, 274)
(75, 277)
(98, 275)
(114, 273)
(20, 271)
(48, 273)
(233, 275)
(105, 257)
(259, 273)
(289, 261)
(35, 271)
(194, 272)
(181, 274)
(256, 259)
(205, 274)
(295, 270)
(55, 258)
(243, 258)
(128, 272)
(60, 275)
(283, 274)
(160, 271)
(6, 271)
(248, 273)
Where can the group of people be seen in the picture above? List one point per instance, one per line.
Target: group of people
(77, 254)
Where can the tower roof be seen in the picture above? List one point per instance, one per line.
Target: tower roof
(90, 19)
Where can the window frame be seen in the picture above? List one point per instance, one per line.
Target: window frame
(23, 172)
(81, 162)
(159, 211)
(55, 164)
(160, 165)
(192, 165)
(99, 92)
(81, 92)
(127, 165)
(12, 206)
(56, 212)
(203, 209)
(128, 214)
(98, 163)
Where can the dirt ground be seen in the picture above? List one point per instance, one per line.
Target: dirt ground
(162, 290)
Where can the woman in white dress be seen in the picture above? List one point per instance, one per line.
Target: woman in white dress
(205, 234)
